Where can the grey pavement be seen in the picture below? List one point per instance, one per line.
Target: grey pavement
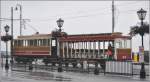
(41, 75)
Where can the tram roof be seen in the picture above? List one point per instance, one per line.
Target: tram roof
(80, 37)
(95, 37)
(35, 36)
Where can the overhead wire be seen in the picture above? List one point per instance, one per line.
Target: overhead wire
(69, 17)
(127, 4)
(72, 15)
(32, 27)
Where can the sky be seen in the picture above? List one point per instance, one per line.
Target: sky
(80, 17)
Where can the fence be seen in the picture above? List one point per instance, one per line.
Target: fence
(119, 67)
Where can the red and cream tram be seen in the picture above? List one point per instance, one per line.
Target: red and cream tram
(80, 46)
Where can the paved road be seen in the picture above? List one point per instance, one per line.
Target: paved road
(49, 76)
(40, 75)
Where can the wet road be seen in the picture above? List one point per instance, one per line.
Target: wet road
(54, 76)
(40, 75)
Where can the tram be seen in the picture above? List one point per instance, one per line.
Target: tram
(77, 46)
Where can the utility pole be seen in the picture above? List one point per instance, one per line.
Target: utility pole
(20, 20)
(12, 35)
(20, 7)
(113, 16)
(113, 26)
(0, 32)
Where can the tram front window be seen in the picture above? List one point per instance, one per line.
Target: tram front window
(122, 43)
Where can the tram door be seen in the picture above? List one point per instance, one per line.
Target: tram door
(54, 47)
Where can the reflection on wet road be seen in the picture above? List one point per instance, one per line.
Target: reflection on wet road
(38, 76)
(45, 75)
(49, 76)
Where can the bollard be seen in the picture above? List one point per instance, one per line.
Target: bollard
(53, 64)
(74, 65)
(6, 65)
(30, 67)
(81, 65)
(96, 70)
(142, 71)
(66, 64)
(60, 67)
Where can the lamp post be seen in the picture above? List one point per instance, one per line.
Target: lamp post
(20, 7)
(6, 38)
(60, 24)
(141, 14)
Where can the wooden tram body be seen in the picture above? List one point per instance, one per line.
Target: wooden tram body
(80, 46)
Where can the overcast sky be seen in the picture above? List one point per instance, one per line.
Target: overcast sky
(80, 17)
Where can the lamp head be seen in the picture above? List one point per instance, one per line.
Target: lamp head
(6, 28)
(60, 22)
(141, 14)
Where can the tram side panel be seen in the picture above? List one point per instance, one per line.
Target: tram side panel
(38, 49)
(123, 54)
(32, 51)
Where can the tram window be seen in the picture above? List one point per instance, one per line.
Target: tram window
(101, 45)
(18, 42)
(53, 42)
(40, 42)
(106, 45)
(35, 42)
(15, 43)
(123, 43)
(48, 42)
(128, 43)
(23, 42)
(118, 43)
(28, 42)
(44, 42)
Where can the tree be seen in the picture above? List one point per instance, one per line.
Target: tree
(141, 30)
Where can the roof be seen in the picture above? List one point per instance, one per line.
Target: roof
(95, 37)
(80, 37)
(35, 36)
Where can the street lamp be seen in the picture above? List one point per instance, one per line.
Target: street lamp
(6, 38)
(141, 14)
(20, 7)
(60, 23)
